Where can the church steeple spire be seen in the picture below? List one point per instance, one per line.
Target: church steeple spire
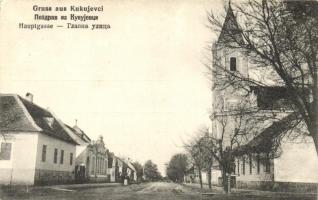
(230, 28)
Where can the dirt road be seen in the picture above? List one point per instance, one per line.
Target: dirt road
(144, 191)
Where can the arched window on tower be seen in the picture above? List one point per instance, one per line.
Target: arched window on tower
(232, 64)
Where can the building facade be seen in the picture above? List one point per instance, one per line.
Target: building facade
(83, 155)
(99, 162)
(36, 147)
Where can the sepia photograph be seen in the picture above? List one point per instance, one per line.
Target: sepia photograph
(159, 100)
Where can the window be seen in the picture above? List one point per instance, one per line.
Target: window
(49, 121)
(71, 158)
(100, 165)
(234, 168)
(243, 166)
(110, 162)
(106, 164)
(43, 153)
(251, 163)
(62, 157)
(97, 165)
(267, 164)
(93, 165)
(55, 156)
(232, 64)
(5, 153)
(87, 162)
(258, 163)
(238, 166)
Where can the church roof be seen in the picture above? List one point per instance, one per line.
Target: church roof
(263, 141)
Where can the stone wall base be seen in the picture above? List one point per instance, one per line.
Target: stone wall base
(99, 179)
(278, 186)
(49, 177)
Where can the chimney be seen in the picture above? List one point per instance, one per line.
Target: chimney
(29, 97)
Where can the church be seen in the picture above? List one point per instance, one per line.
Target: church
(271, 152)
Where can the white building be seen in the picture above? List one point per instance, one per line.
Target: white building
(35, 147)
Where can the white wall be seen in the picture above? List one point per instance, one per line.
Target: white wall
(254, 176)
(216, 174)
(81, 155)
(80, 149)
(298, 163)
(20, 169)
(111, 172)
(51, 144)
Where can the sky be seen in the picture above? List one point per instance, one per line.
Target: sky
(140, 84)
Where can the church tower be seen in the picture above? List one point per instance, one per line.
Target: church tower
(227, 60)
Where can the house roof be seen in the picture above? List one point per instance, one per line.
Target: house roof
(79, 135)
(131, 166)
(19, 114)
(118, 160)
(263, 141)
(13, 116)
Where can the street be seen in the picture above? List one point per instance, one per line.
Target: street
(153, 191)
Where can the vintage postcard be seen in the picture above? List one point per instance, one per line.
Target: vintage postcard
(137, 99)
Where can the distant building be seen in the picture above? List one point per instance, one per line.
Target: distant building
(124, 170)
(92, 157)
(192, 176)
(35, 145)
(111, 167)
(131, 171)
(99, 163)
(120, 170)
(84, 153)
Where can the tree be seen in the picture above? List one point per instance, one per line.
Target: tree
(280, 38)
(200, 149)
(177, 167)
(139, 170)
(151, 171)
(205, 148)
(195, 150)
(221, 146)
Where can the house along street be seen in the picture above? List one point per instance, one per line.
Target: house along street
(143, 191)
